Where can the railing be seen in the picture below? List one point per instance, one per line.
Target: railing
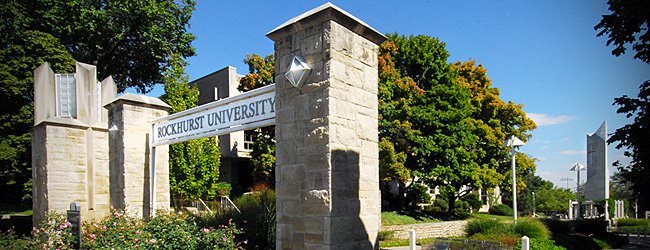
(223, 203)
(452, 244)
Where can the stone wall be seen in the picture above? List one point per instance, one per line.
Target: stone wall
(61, 175)
(442, 229)
(326, 152)
(130, 118)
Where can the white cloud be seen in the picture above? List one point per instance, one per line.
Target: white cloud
(546, 120)
(573, 152)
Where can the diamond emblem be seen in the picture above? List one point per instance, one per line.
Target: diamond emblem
(298, 71)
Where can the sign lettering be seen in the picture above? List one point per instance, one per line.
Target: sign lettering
(219, 117)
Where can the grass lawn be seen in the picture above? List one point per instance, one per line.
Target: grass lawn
(492, 217)
(397, 218)
(25, 212)
(399, 243)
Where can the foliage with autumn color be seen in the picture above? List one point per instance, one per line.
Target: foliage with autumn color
(442, 123)
(260, 74)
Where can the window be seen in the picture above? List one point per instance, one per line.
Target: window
(66, 95)
(99, 101)
(249, 139)
(484, 196)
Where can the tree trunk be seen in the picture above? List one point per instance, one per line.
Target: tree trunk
(452, 203)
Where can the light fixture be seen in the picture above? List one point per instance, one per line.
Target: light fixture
(513, 142)
(298, 71)
(578, 167)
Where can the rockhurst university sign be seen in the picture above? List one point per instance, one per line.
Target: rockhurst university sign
(252, 109)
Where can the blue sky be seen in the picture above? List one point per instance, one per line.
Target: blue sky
(542, 54)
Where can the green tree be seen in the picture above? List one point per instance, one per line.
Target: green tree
(446, 119)
(193, 165)
(632, 138)
(260, 74)
(627, 24)
(28, 50)
(130, 40)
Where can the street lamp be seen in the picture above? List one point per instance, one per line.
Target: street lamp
(512, 143)
(533, 204)
(578, 167)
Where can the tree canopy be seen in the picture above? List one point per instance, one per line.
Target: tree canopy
(628, 23)
(18, 62)
(260, 74)
(446, 119)
(132, 40)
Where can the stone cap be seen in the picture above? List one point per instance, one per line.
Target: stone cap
(141, 100)
(327, 11)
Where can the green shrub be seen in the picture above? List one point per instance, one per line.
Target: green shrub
(632, 222)
(223, 188)
(440, 205)
(557, 226)
(473, 200)
(417, 193)
(589, 226)
(257, 218)
(9, 240)
(532, 228)
(542, 244)
(385, 235)
(485, 227)
(500, 209)
(506, 238)
(166, 230)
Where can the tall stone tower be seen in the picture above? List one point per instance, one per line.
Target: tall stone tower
(327, 160)
(597, 185)
(70, 141)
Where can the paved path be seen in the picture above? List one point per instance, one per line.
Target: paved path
(637, 242)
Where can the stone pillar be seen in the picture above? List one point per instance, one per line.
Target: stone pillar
(70, 154)
(327, 175)
(130, 119)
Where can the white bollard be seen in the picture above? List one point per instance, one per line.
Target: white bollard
(525, 243)
(412, 239)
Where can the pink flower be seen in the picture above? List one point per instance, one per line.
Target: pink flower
(63, 226)
(104, 227)
(152, 241)
(205, 230)
(136, 239)
(118, 215)
(224, 238)
(137, 231)
(92, 236)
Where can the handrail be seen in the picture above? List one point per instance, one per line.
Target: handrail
(229, 203)
(206, 206)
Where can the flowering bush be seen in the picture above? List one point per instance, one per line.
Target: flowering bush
(118, 231)
(54, 233)
(165, 231)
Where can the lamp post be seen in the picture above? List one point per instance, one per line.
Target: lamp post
(578, 167)
(533, 204)
(512, 143)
